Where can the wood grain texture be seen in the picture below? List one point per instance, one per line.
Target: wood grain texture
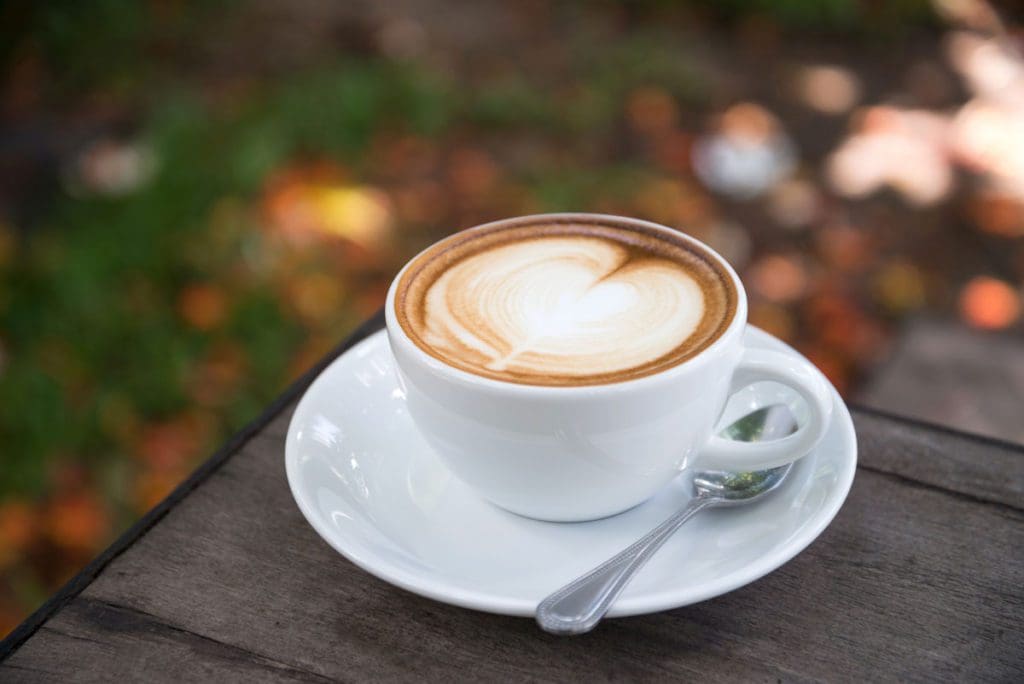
(944, 372)
(919, 578)
(97, 642)
(984, 469)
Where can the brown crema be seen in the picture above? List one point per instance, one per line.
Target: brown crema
(565, 300)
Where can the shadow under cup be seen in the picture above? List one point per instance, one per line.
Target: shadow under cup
(572, 452)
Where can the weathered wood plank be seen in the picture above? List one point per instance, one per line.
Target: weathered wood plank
(90, 641)
(984, 469)
(910, 582)
(944, 372)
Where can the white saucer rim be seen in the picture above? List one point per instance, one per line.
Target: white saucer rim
(625, 606)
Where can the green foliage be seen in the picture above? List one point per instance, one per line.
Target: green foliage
(512, 102)
(94, 305)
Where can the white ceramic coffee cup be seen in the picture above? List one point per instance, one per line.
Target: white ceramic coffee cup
(584, 452)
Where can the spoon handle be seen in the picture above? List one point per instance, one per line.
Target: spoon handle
(578, 606)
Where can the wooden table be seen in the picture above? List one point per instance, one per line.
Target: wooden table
(920, 577)
(938, 372)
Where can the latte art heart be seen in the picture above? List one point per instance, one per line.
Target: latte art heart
(564, 303)
(574, 306)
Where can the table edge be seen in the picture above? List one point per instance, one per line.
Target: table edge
(74, 586)
(84, 577)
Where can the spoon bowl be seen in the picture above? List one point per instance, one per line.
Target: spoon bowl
(734, 489)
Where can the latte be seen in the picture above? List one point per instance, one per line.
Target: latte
(577, 301)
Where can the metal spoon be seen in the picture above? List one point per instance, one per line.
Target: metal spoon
(578, 606)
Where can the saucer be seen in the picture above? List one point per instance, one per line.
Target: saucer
(371, 487)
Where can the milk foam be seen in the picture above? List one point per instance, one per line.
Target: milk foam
(572, 305)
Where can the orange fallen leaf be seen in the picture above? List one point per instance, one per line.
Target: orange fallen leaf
(18, 527)
(203, 306)
(152, 486)
(77, 521)
(989, 303)
(176, 442)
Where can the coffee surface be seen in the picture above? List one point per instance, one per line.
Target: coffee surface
(564, 302)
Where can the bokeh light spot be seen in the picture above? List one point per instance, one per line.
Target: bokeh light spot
(203, 306)
(778, 278)
(989, 303)
(899, 286)
(311, 203)
(359, 214)
(110, 167)
(747, 154)
(828, 89)
(77, 521)
(316, 297)
(773, 319)
(794, 203)
(989, 138)
(901, 149)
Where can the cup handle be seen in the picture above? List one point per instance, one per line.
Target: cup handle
(758, 365)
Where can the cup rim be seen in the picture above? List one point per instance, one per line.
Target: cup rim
(398, 335)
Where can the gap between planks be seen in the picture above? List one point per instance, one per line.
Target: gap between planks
(914, 482)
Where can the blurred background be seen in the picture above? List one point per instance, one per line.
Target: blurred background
(199, 200)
